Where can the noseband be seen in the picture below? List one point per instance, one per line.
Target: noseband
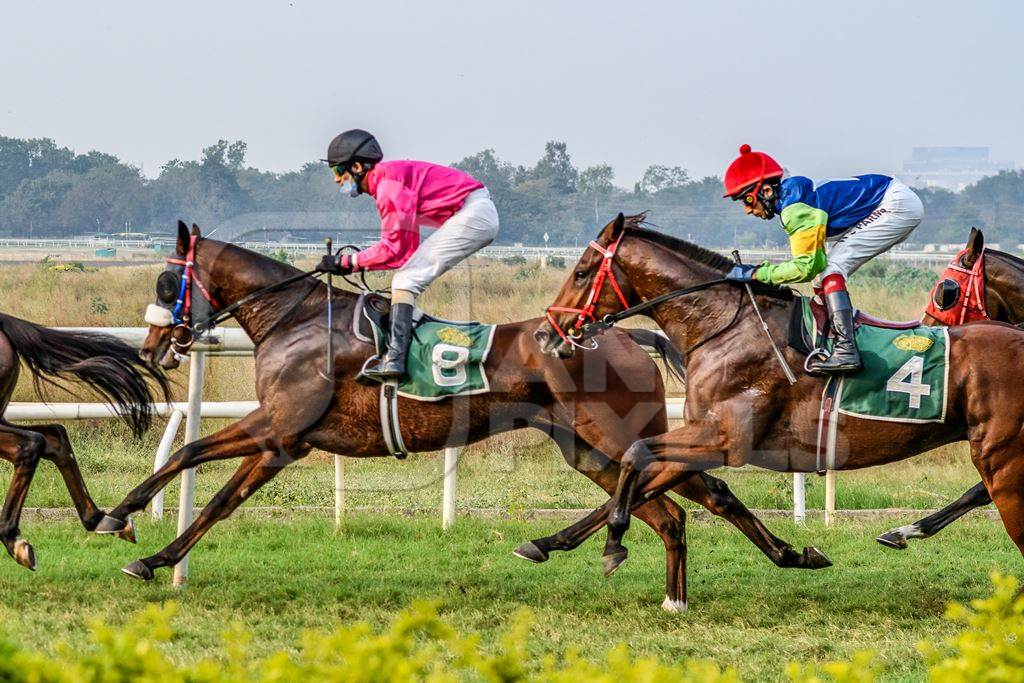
(586, 314)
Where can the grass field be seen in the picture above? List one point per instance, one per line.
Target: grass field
(280, 576)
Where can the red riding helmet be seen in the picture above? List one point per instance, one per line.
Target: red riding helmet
(750, 168)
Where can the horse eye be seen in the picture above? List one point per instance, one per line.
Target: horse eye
(580, 274)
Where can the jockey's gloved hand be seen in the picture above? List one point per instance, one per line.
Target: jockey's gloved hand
(338, 265)
(741, 272)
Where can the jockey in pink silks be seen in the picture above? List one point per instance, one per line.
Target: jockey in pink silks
(409, 195)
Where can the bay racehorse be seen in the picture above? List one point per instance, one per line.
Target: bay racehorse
(978, 284)
(111, 368)
(741, 410)
(593, 406)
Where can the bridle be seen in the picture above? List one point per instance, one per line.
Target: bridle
(587, 325)
(586, 314)
(968, 284)
(181, 313)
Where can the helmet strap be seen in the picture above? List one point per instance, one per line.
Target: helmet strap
(768, 203)
(358, 177)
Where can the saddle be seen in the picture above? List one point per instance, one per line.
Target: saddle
(799, 339)
(446, 359)
(374, 309)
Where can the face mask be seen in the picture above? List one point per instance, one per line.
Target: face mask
(350, 188)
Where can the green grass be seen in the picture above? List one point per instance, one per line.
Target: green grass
(280, 576)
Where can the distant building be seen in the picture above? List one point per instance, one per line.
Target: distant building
(951, 168)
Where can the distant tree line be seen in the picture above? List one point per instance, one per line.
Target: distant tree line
(50, 191)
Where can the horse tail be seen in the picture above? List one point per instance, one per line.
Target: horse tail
(107, 364)
(658, 341)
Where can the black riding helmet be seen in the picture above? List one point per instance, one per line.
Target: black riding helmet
(351, 146)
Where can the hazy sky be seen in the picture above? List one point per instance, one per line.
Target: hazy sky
(831, 88)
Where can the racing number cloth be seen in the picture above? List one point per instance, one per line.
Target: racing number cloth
(905, 374)
(445, 360)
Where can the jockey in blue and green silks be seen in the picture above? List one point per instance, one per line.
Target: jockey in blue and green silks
(861, 216)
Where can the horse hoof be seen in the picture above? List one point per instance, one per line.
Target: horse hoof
(128, 533)
(815, 559)
(138, 570)
(23, 554)
(614, 561)
(113, 526)
(530, 551)
(674, 606)
(892, 539)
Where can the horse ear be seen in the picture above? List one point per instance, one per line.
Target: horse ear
(195, 230)
(617, 225)
(975, 245)
(183, 238)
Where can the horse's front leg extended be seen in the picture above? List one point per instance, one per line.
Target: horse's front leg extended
(254, 472)
(651, 467)
(247, 437)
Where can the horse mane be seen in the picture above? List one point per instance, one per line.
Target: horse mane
(712, 259)
(1009, 257)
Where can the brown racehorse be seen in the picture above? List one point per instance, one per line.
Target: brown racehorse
(1003, 301)
(107, 365)
(740, 408)
(593, 406)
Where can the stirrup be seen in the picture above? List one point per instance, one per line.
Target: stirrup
(820, 352)
(369, 380)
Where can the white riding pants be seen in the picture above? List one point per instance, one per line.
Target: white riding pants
(896, 216)
(469, 230)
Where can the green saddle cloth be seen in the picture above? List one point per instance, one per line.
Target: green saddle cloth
(905, 373)
(445, 359)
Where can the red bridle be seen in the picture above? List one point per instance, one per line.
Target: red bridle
(971, 304)
(586, 314)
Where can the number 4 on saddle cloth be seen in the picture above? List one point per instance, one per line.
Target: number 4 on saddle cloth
(905, 367)
(446, 358)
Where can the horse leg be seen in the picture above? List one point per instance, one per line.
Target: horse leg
(897, 538)
(59, 452)
(22, 448)
(244, 438)
(254, 471)
(666, 518)
(714, 494)
(1002, 471)
(647, 470)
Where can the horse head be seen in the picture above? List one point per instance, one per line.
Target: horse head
(628, 265)
(596, 286)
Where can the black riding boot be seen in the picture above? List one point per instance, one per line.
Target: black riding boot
(845, 358)
(392, 365)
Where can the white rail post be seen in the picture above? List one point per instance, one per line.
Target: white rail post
(451, 462)
(186, 500)
(799, 498)
(339, 490)
(162, 453)
(830, 497)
